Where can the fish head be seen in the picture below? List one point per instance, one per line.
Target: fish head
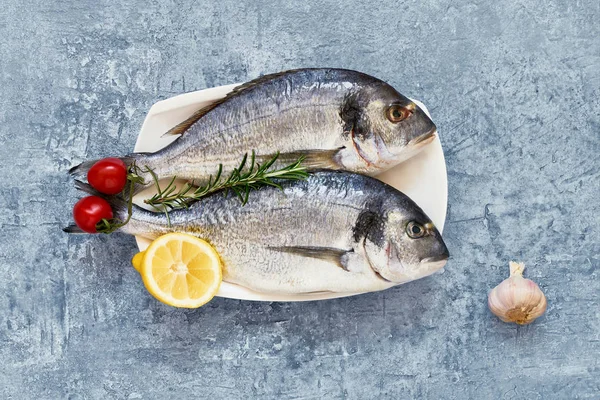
(388, 128)
(407, 247)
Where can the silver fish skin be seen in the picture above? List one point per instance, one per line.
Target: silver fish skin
(337, 119)
(335, 232)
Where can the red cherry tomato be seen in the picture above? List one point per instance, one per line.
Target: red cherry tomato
(108, 175)
(90, 210)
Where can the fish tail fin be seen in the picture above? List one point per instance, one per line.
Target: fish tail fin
(83, 168)
(138, 187)
(73, 229)
(87, 188)
(116, 202)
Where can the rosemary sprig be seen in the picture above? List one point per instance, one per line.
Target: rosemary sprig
(241, 181)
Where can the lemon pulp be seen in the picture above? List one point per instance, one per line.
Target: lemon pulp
(180, 270)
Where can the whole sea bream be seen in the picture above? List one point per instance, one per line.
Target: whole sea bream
(335, 231)
(336, 119)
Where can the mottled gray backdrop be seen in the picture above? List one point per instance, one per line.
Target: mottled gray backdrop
(513, 87)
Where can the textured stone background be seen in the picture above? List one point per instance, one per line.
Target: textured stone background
(513, 87)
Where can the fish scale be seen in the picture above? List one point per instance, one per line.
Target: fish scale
(330, 232)
(335, 119)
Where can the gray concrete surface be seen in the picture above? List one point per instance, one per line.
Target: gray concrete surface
(513, 87)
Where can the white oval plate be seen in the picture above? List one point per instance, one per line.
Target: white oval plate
(423, 177)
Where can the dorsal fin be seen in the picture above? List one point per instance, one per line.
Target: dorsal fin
(180, 128)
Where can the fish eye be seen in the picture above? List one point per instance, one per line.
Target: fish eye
(396, 113)
(415, 230)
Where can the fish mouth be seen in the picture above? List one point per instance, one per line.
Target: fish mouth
(436, 262)
(441, 257)
(425, 138)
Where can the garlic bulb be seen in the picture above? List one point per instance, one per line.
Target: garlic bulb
(517, 299)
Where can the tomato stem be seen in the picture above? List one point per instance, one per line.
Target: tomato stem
(109, 226)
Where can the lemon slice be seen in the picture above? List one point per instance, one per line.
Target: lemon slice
(180, 270)
(137, 260)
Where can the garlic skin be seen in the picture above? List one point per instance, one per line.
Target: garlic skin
(517, 299)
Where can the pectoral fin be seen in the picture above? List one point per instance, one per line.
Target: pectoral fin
(335, 256)
(312, 159)
(185, 125)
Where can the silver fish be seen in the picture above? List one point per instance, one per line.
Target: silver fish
(335, 231)
(337, 119)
